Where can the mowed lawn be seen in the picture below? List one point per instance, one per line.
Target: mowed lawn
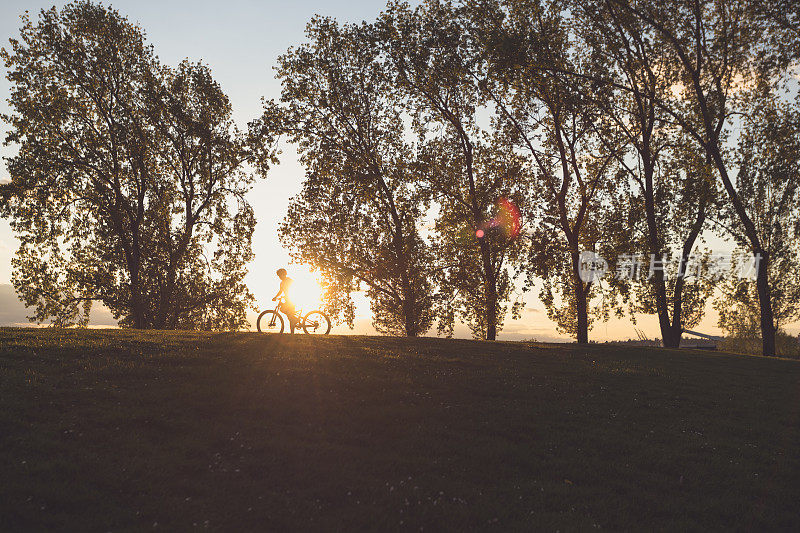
(120, 430)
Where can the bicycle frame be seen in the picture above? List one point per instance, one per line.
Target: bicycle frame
(298, 314)
(296, 320)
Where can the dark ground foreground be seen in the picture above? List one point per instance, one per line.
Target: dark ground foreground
(117, 430)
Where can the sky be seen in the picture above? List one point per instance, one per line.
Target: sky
(240, 41)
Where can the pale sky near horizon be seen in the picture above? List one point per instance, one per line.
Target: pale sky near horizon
(240, 41)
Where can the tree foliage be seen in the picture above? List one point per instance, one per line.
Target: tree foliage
(558, 125)
(436, 61)
(768, 179)
(715, 50)
(358, 216)
(672, 192)
(128, 187)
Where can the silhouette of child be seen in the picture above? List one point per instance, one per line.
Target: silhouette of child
(287, 306)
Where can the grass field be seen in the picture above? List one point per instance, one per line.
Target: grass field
(119, 430)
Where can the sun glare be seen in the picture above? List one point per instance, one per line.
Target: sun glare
(306, 290)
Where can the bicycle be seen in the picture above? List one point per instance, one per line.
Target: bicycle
(313, 323)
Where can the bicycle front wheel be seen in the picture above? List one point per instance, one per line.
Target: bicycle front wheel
(317, 323)
(270, 322)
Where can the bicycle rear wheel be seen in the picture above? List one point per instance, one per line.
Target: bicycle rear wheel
(270, 322)
(317, 323)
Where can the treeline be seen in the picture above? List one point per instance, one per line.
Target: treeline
(453, 151)
(625, 129)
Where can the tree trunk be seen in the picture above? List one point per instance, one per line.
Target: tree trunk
(659, 286)
(581, 304)
(765, 303)
(672, 337)
(663, 312)
(491, 312)
(410, 320)
(582, 313)
(137, 305)
(407, 293)
(676, 329)
(410, 326)
(164, 310)
(762, 279)
(409, 305)
(137, 302)
(490, 291)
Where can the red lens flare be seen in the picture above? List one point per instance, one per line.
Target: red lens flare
(509, 217)
(508, 220)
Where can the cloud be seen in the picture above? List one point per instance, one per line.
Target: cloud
(526, 329)
(517, 331)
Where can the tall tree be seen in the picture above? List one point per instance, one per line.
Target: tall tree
(737, 300)
(561, 129)
(672, 191)
(501, 179)
(768, 178)
(678, 279)
(128, 186)
(358, 216)
(434, 60)
(715, 49)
